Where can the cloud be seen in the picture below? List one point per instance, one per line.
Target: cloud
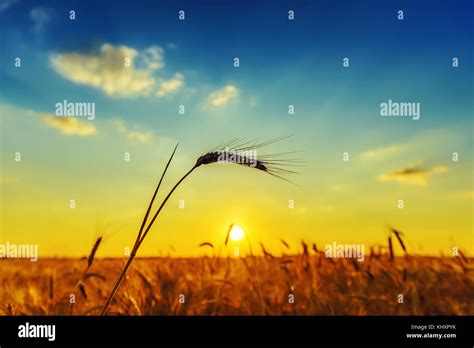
(142, 137)
(381, 153)
(107, 70)
(171, 85)
(69, 125)
(223, 96)
(119, 71)
(5, 4)
(415, 176)
(40, 18)
(153, 58)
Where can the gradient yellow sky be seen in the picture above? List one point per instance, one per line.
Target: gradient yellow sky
(335, 200)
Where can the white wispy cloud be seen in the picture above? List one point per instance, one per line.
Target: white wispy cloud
(381, 153)
(153, 57)
(171, 85)
(69, 125)
(132, 134)
(119, 71)
(413, 175)
(223, 96)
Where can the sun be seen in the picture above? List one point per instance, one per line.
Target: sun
(236, 233)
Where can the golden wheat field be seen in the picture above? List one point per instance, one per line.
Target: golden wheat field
(240, 286)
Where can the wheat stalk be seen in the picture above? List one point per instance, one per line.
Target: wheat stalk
(91, 257)
(231, 152)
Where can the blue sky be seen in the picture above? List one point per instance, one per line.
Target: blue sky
(383, 51)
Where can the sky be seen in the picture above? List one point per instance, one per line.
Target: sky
(139, 63)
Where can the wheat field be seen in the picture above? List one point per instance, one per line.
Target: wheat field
(304, 284)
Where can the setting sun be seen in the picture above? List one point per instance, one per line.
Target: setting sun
(236, 233)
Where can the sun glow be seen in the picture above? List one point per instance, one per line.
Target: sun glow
(236, 233)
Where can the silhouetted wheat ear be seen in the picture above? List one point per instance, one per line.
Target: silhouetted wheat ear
(237, 152)
(265, 252)
(82, 289)
(90, 259)
(228, 234)
(284, 262)
(51, 287)
(209, 244)
(285, 243)
(390, 247)
(399, 235)
(305, 248)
